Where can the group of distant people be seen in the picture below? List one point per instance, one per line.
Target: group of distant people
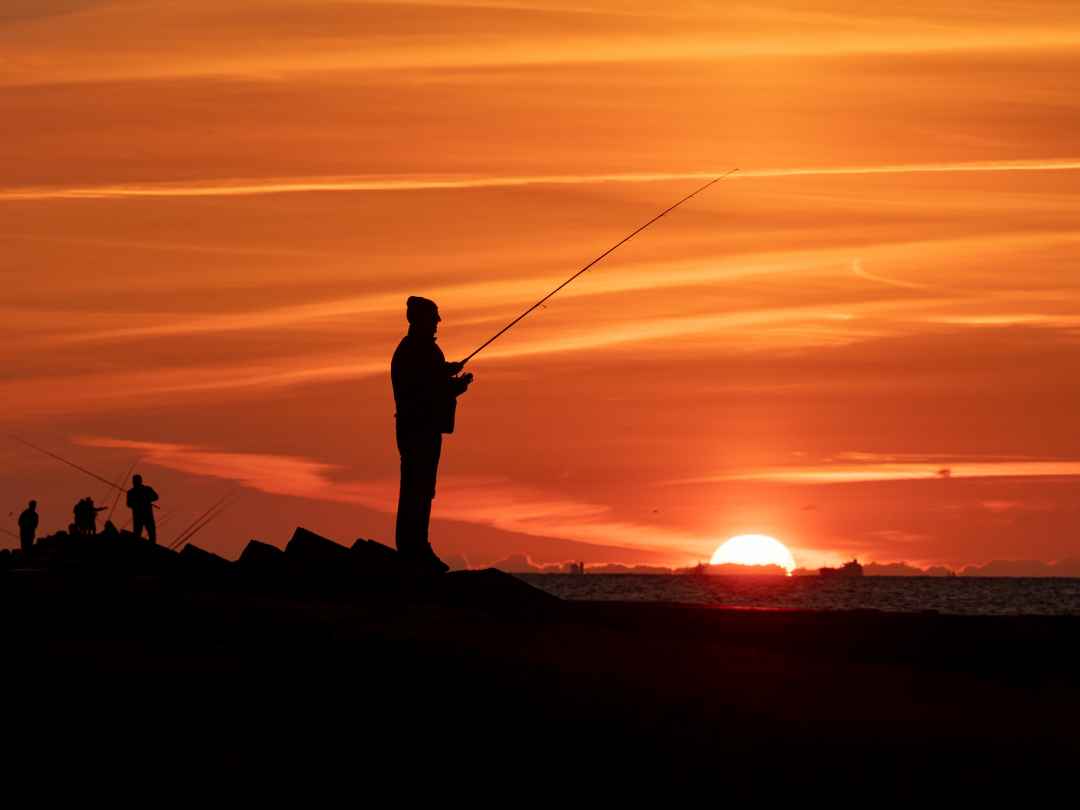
(140, 500)
(85, 514)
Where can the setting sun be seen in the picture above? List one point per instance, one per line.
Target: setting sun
(754, 549)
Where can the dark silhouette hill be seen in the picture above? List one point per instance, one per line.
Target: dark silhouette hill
(329, 667)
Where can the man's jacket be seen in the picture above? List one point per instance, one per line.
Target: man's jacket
(140, 500)
(425, 392)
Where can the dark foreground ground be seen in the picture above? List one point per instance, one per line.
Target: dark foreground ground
(439, 685)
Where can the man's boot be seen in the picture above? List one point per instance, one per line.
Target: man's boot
(429, 560)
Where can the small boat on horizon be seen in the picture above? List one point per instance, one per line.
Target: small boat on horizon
(850, 569)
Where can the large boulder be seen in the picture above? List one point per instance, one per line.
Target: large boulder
(139, 556)
(315, 552)
(54, 545)
(259, 557)
(201, 564)
(372, 558)
(367, 567)
(115, 553)
(262, 567)
(496, 592)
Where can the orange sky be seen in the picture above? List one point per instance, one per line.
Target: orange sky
(211, 214)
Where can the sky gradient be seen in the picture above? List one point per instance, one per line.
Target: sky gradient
(865, 343)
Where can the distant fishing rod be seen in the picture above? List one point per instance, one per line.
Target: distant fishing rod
(119, 492)
(197, 524)
(202, 525)
(63, 460)
(595, 261)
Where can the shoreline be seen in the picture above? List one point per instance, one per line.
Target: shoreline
(970, 596)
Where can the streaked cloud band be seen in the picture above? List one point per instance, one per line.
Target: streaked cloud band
(905, 471)
(310, 185)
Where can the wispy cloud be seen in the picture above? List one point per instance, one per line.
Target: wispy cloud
(308, 185)
(16, 11)
(215, 39)
(858, 269)
(848, 473)
(495, 502)
(851, 317)
(482, 296)
(802, 325)
(167, 247)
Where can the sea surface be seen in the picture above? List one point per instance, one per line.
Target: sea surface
(960, 595)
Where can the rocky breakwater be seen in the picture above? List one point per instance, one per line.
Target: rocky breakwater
(310, 566)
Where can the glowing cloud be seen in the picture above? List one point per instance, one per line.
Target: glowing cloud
(248, 187)
(492, 502)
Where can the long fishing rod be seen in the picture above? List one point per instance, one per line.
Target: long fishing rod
(93, 475)
(180, 538)
(209, 519)
(119, 492)
(63, 460)
(595, 261)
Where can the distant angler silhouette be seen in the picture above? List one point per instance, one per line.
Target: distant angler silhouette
(426, 388)
(85, 514)
(140, 499)
(28, 524)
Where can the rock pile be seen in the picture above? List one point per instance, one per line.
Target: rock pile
(309, 566)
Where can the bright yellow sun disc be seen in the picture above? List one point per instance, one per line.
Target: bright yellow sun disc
(754, 549)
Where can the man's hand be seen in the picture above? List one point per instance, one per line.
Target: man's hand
(461, 384)
(455, 368)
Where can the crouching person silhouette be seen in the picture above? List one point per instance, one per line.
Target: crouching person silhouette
(426, 388)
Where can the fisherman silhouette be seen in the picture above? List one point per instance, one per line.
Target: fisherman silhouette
(90, 514)
(426, 388)
(28, 523)
(140, 499)
(80, 519)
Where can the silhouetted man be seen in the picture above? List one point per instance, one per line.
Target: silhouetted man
(426, 388)
(78, 512)
(28, 523)
(140, 499)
